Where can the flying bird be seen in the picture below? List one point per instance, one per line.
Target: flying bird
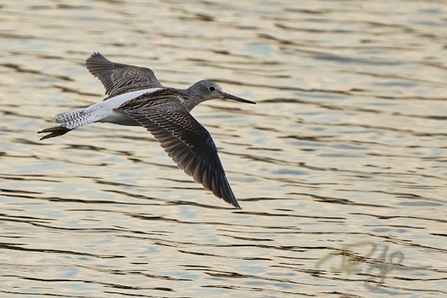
(136, 97)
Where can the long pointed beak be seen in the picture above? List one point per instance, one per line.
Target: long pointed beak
(232, 97)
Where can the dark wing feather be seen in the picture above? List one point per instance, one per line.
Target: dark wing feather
(187, 142)
(120, 78)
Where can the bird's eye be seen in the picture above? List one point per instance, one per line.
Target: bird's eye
(211, 88)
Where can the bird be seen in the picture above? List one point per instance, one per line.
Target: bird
(135, 97)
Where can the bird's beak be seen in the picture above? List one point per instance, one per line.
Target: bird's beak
(232, 97)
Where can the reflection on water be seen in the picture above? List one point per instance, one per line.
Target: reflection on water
(345, 147)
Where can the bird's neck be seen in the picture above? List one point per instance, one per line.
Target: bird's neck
(190, 100)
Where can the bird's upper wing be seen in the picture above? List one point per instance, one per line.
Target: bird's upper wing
(185, 140)
(120, 78)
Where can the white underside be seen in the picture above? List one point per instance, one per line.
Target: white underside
(103, 111)
(119, 118)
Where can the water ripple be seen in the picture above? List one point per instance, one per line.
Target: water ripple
(344, 152)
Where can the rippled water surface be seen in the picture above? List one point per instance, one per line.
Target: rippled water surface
(340, 168)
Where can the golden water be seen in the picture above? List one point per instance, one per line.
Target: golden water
(340, 168)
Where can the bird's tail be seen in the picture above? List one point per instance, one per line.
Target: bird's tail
(69, 121)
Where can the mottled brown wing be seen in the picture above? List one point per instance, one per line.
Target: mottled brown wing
(187, 142)
(120, 78)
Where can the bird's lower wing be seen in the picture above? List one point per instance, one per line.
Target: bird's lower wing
(188, 143)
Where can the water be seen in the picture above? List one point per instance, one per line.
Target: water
(340, 168)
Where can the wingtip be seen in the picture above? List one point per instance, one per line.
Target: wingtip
(93, 56)
(229, 197)
(233, 202)
(96, 53)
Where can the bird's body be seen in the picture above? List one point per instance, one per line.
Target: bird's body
(136, 97)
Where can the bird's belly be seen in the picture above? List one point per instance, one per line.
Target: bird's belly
(120, 119)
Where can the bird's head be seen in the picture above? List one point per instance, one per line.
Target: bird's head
(206, 90)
